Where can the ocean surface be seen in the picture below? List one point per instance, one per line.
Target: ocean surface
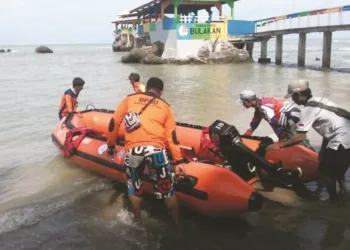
(47, 204)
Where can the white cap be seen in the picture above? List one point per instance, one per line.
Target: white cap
(247, 95)
(297, 86)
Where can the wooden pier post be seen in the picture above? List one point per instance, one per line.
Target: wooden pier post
(279, 49)
(301, 49)
(327, 49)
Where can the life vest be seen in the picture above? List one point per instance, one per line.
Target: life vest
(209, 146)
(70, 146)
(139, 87)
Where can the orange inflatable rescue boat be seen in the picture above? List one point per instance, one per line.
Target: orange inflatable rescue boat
(209, 189)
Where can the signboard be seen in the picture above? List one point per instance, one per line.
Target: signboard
(201, 31)
(124, 31)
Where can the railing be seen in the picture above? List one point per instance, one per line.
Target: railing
(200, 19)
(304, 19)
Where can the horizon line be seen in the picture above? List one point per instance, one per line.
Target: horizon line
(286, 37)
(53, 44)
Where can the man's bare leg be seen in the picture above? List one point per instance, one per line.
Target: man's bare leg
(136, 205)
(173, 206)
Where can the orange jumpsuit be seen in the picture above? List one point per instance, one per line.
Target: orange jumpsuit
(139, 87)
(148, 143)
(68, 103)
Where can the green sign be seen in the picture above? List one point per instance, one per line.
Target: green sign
(200, 31)
(205, 31)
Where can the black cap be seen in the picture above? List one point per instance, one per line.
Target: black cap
(134, 76)
(155, 83)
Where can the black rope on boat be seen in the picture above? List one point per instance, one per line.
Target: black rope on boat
(98, 110)
(187, 125)
(90, 105)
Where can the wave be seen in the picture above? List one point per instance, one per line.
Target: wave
(34, 191)
(33, 213)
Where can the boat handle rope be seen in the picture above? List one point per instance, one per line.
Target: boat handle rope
(90, 105)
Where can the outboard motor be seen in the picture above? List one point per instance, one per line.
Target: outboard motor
(242, 159)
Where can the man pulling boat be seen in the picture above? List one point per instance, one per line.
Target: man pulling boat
(333, 124)
(282, 115)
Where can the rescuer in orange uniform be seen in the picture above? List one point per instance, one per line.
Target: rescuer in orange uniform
(135, 83)
(150, 129)
(69, 99)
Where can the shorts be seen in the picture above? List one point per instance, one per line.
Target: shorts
(334, 163)
(156, 159)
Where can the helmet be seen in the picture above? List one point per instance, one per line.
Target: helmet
(247, 95)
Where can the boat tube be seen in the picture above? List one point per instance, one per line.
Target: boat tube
(208, 189)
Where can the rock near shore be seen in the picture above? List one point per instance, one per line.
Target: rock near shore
(216, 52)
(146, 54)
(222, 52)
(121, 43)
(43, 50)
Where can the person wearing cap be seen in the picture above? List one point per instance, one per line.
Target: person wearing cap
(135, 83)
(69, 100)
(280, 114)
(321, 114)
(147, 143)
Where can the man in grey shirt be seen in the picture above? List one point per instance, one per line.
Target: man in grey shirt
(333, 124)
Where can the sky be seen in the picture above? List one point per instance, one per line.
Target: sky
(34, 22)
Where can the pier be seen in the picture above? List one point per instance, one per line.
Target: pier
(151, 22)
(279, 26)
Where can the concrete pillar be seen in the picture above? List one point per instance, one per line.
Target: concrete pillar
(219, 7)
(139, 14)
(162, 7)
(233, 10)
(150, 13)
(157, 13)
(301, 49)
(263, 54)
(144, 16)
(176, 4)
(176, 15)
(231, 4)
(327, 49)
(279, 49)
(249, 46)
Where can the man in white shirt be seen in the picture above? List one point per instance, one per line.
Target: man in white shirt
(322, 115)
